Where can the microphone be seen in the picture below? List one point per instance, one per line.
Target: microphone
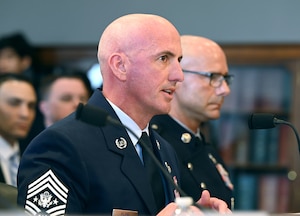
(97, 117)
(94, 116)
(268, 120)
(261, 121)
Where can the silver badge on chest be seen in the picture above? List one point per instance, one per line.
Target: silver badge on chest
(121, 143)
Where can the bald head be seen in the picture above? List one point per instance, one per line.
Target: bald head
(196, 100)
(139, 56)
(201, 52)
(132, 33)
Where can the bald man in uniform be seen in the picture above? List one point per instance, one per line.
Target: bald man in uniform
(197, 100)
(76, 168)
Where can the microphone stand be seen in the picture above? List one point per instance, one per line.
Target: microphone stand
(279, 121)
(268, 120)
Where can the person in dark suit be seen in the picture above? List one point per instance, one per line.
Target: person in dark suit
(17, 112)
(197, 100)
(18, 56)
(76, 168)
(61, 93)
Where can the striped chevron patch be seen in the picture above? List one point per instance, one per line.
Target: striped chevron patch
(46, 196)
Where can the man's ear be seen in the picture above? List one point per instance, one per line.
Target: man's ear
(43, 106)
(117, 65)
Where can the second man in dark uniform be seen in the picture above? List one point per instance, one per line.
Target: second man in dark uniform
(198, 99)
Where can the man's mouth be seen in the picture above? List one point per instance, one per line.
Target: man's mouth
(168, 91)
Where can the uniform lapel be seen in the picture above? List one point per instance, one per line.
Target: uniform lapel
(131, 165)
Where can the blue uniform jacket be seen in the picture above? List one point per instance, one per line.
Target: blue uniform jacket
(75, 168)
(197, 161)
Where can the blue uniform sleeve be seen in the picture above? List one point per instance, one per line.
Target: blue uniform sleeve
(47, 178)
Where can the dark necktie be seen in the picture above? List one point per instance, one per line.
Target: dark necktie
(153, 173)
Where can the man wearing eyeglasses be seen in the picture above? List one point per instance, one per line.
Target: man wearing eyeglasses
(198, 99)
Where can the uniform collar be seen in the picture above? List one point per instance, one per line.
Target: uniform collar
(197, 134)
(129, 123)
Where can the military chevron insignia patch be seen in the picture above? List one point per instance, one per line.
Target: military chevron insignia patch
(46, 196)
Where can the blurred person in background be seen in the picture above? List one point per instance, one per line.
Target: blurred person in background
(17, 112)
(60, 95)
(18, 56)
(15, 54)
(197, 100)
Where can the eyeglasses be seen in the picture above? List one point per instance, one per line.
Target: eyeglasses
(216, 79)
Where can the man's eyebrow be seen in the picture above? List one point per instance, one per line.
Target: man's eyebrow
(167, 52)
(15, 98)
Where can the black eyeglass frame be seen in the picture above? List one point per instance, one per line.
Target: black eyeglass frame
(227, 77)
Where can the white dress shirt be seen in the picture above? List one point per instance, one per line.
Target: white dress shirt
(6, 151)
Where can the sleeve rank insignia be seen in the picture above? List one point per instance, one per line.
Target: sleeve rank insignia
(46, 196)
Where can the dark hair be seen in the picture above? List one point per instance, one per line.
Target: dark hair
(47, 81)
(18, 43)
(13, 76)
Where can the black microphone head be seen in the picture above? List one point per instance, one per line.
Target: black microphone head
(91, 115)
(261, 121)
(79, 110)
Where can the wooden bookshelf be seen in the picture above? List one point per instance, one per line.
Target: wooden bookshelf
(287, 56)
(261, 54)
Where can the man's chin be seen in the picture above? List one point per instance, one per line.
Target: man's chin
(163, 110)
(214, 115)
(21, 135)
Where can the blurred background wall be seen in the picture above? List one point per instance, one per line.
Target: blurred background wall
(73, 22)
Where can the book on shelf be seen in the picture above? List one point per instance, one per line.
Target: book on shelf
(230, 134)
(268, 192)
(268, 146)
(249, 90)
(259, 88)
(272, 88)
(283, 194)
(283, 145)
(273, 195)
(273, 146)
(258, 146)
(245, 191)
(264, 191)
